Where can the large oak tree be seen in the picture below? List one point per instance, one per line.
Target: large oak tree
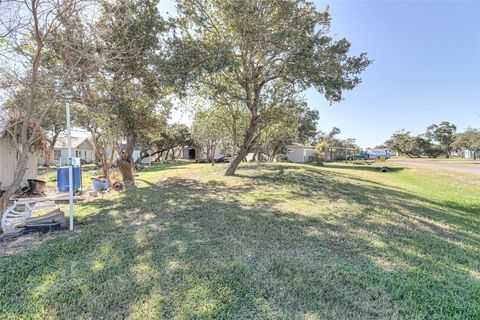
(249, 49)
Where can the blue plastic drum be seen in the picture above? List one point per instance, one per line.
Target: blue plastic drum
(63, 182)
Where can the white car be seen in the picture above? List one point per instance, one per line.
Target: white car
(377, 153)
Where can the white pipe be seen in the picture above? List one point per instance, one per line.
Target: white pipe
(70, 167)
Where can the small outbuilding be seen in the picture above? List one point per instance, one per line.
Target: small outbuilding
(8, 164)
(300, 153)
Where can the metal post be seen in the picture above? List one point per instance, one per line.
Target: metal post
(70, 167)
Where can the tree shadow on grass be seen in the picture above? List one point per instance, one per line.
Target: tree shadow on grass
(186, 249)
(312, 181)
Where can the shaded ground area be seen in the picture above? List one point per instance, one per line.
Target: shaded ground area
(463, 166)
(276, 242)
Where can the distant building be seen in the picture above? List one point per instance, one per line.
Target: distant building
(82, 148)
(300, 153)
(8, 163)
(197, 153)
(469, 154)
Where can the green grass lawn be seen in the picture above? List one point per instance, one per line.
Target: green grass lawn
(275, 242)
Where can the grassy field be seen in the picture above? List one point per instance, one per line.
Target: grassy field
(275, 242)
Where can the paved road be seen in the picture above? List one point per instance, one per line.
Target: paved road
(464, 166)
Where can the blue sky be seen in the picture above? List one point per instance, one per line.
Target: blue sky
(426, 68)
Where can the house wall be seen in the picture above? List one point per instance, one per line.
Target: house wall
(469, 154)
(186, 153)
(136, 154)
(310, 154)
(295, 155)
(200, 153)
(8, 161)
(84, 151)
(299, 154)
(83, 154)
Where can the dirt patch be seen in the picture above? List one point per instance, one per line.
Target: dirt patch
(23, 242)
(26, 242)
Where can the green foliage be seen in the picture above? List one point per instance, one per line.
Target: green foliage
(320, 149)
(208, 131)
(469, 140)
(442, 134)
(437, 139)
(130, 36)
(175, 135)
(307, 131)
(333, 141)
(261, 53)
(404, 143)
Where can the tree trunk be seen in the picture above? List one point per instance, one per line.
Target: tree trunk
(245, 148)
(47, 155)
(25, 141)
(125, 167)
(212, 154)
(51, 147)
(126, 160)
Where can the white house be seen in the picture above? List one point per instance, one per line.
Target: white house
(8, 163)
(82, 148)
(469, 154)
(196, 153)
(300, 153)
(137, 154)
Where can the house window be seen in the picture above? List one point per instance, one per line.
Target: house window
(57, 154)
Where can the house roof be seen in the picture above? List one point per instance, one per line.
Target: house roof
(299, 145)
(62, 142)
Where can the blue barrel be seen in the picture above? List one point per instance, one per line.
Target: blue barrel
(99, 183)
(62, 179)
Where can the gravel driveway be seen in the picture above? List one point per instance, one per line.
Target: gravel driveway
(464, 166)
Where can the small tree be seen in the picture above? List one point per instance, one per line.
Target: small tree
(208, 131)
(321, 149)
(443, 134)
(130, 33)
(25, 69)
(104, 133)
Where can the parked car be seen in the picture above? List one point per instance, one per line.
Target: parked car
(370, 155)
(358, 156)
(376, 154)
